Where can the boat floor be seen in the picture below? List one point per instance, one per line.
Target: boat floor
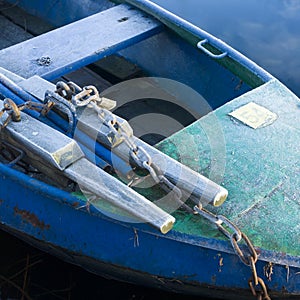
(259, 167)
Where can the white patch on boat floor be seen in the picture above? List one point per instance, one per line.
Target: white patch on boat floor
(254, 115)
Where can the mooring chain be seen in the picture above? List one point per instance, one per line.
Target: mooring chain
(88, 96)
(248, 255)
(13, 110)
(143, 160)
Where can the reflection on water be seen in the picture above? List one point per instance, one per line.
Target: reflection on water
(265, 31)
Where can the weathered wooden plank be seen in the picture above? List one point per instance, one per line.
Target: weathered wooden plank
(31, 24)
(11, 33)
(80, 43)
(117, 68)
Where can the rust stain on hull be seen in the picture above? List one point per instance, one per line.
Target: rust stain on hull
(31, 218)
(75, 204)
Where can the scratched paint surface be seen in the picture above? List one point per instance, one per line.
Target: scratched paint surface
(261, 169)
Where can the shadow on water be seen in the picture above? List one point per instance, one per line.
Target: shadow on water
(27, 273)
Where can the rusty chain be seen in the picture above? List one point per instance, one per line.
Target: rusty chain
(248, 255)
(13, 111)
(89, 96)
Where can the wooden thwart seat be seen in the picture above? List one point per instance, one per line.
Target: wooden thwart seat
(89, 40)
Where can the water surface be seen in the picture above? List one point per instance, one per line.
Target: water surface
(266, 31)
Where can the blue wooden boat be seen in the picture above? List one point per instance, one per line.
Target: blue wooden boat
(238, 127)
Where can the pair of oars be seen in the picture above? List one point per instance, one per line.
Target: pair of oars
(202, 190)
(54, 153)
(95, 152)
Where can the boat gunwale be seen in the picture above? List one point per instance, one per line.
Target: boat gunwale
(44, 189)
(194, 34)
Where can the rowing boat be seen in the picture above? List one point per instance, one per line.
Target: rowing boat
(144, 149)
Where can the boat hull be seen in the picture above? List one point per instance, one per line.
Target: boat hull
(128, 252)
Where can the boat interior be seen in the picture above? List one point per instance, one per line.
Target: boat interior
(160, 82)
(191, 85)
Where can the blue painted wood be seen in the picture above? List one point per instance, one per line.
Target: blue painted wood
(45, 216)
(80, 43)
(161, 55)
(37, 88)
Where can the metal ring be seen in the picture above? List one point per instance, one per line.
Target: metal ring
(64, 90)
(12, 108)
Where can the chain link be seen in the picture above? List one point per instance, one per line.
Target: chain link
(248, 255)
(13, 110)
(88, 96)
(261, 295)
(142, 159)
(137, 153)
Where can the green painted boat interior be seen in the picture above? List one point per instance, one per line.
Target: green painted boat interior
(259, 167)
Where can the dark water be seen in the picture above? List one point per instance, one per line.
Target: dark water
(23, 268)
(268, 32)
